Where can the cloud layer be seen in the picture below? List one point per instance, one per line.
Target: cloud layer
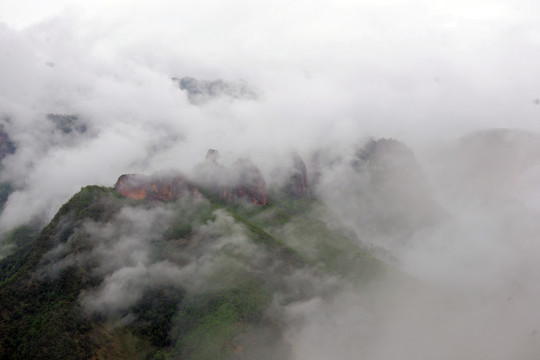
(327, 71)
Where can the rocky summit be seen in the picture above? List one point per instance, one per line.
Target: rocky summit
(162, 188)
(240, 181)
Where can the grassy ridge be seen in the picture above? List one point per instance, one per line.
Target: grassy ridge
(167, 322)
(35, 311)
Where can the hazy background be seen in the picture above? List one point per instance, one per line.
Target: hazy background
(327, 72)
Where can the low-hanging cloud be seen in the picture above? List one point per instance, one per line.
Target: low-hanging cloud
(131, 254)
(319, 85)
(475, 260)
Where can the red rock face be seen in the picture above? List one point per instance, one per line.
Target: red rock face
(242, 181)
(254, 193)
(141, 187)
(250, 186)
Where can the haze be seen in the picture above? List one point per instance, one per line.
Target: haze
(327, 75)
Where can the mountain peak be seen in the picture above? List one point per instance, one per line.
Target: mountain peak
(212, 155)
(241, 180)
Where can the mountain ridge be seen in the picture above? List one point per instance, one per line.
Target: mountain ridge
(35, 295)
(178, 268)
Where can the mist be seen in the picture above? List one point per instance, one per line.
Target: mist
(461, 218)
(457, 212)
(326, 73)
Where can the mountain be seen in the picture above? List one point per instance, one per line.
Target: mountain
(201, 91)
(241, 180)
(166, 267)
(164, 188)
(388, 197)
(67, 123)
(490, 164)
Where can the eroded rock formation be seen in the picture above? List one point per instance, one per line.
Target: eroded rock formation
(162, 188)
(250, 184)
(241, 181)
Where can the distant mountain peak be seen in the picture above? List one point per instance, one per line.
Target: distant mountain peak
(212, 155)
(201, 91)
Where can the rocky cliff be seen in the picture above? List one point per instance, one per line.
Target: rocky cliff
(240, 181)
(249, 184)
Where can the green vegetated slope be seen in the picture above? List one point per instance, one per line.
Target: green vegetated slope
(113, 278)
(301, 229)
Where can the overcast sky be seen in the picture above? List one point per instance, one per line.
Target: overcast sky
(398, 64)
(326, 71)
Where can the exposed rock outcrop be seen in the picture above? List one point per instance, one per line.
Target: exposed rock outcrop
(250, 184)
(241, 181)
(162, 188)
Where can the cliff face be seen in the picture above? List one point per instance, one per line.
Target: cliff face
(241, 181)
(250, 185)
(165, 188)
